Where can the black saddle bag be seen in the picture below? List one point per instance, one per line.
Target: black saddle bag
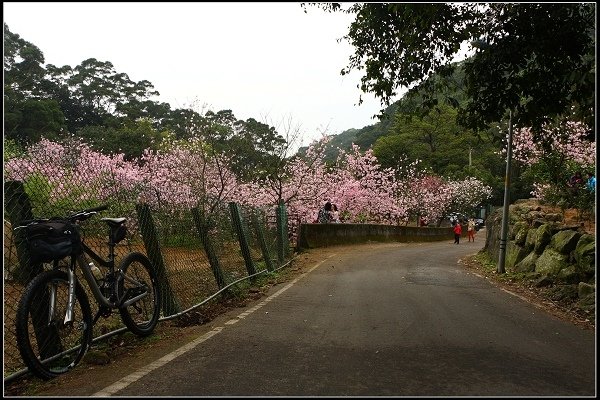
(53, 240)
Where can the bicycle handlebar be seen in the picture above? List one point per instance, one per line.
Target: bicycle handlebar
(85, 214)
(97, 209)
(78, 216)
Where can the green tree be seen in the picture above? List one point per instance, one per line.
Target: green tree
(23, 67)
(28, 113)
(253, 147)
(434, 139)
(185, 123)
(35, 119)
(102, 93)
(536, 58)
(131, 139)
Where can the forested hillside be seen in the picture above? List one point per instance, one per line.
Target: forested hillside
(405, 132)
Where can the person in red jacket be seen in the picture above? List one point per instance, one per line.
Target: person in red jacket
(457, 232)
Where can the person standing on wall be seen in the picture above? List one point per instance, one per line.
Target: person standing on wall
(591, 182)
(325, 214)
(335, 214)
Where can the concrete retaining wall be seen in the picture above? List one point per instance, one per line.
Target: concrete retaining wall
(324, 235)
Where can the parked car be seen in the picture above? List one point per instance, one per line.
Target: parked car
(456, 216)
(479, 223)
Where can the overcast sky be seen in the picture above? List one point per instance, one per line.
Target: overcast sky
(267, 61)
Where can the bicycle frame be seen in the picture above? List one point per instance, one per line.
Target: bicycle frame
(101, 299)
(89, 276)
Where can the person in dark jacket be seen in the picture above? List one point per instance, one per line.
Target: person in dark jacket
(325, 214)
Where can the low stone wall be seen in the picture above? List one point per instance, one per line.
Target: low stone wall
(540, 245)
(324, 235)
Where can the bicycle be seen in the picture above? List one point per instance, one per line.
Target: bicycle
(54, 318)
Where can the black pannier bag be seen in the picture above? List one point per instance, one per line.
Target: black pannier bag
(53, 240)
(117, 234)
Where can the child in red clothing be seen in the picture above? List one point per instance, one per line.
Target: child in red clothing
(457, 232)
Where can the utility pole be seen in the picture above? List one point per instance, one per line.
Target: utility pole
(504, 231)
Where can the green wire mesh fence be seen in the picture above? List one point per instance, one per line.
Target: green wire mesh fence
(199, 253)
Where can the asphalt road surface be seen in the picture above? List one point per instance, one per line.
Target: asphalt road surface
(379, 320)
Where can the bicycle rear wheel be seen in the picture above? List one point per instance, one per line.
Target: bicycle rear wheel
(139, 277)
(49, 346)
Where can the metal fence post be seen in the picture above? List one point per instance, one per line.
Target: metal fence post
(150, 238)
(18, 208)
(282, 239)
(260, 235)
(236, 219)
(203, 226)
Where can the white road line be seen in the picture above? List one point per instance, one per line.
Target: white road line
(516, 295)
(129, 379)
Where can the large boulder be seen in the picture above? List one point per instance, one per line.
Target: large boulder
(565, 241)
(520, 230)
(543, 237)
(568, 275)
(531, 238)
(514, 254)
(528, 263)
(551, 262)
(585, 255)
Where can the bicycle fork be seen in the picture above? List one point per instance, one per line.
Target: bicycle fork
(71, 300)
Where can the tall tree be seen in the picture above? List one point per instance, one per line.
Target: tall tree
(535, 58)
(28, 113)
(23, 66)
(433, 139)
(104, 93)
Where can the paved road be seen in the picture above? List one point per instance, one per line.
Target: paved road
(380, 320)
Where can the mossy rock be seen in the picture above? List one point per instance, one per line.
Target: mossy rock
(514, 254)
(96, 357)
(543, 238)
(565, 241)
(531, 238)
(585, 250)
(569, 275)
(585, 239)
(563, 292)
(585, 255)
(554, 217)
(551, 262)
(583, 289)
(528, 263)
(588, 303)
(520, 233)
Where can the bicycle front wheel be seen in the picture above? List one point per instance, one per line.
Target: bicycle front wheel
(139, 278)
(48, 344)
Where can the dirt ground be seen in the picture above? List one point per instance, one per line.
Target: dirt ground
(126, 352)
(571, 217)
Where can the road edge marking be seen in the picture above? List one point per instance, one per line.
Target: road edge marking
(141, 372)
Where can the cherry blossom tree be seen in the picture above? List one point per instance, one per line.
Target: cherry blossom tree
(552, 155)
(190, 174)
(71, 175)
